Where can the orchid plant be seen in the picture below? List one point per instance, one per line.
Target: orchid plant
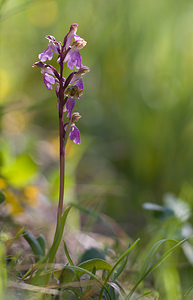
(71, 281)
(67, 90)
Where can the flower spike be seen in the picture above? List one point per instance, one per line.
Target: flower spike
(70, 89)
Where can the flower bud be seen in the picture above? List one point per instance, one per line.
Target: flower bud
(75, 117)
(74, 92)
(73, 77)
(83, 70)
(73, 28)
(38, 64)
(79, 44)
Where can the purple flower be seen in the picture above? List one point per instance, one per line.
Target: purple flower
(75, 134)
(52, 46)
(73, 57)
(69, 106)
(47, 78)
(47, 72)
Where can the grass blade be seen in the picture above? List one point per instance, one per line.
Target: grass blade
(80, 270)
(117, 263)
(145, 273)
(68, 255)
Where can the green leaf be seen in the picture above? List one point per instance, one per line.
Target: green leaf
(58, 236)
(57, 240)
(120, 269)
(2, 197)
(42, 242)
(111, 292)
(20, 232)
(97, 263)
(50, 256)
(34, 244)
(68, 255)
(121, 258)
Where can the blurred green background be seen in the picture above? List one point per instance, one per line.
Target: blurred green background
(137, 125)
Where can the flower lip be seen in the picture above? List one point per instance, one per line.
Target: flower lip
(48, 80)
(75, 134)
(73, 58)
(70, 103)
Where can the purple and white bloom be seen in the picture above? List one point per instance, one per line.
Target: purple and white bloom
(69, 106)
(48, 79)
(52, 46)
(47, 72)
(73, 57)
(75, 134)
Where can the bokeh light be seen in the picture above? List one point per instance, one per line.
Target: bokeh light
(42, 13)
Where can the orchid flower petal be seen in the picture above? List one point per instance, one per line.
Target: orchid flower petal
(75, 134)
